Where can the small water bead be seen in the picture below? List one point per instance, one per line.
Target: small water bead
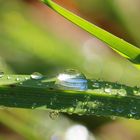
(113, 118)
(34, 105)
(36, 76)
(96, 85)
(119, 110)
(70, 110)
(8, 77)
(53, 115)
(27, 78)
(122, 92)
(71, 80)
(1, 74)
(133, 112)
(17, 79)
(107, 90)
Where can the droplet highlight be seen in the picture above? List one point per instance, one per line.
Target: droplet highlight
(71, 79)
(36, 76)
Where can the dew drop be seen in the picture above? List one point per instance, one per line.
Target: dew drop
(34, 105)
(119, 110)
(96, 85)
(36, 76)
(20, 83)
(15, 104)
(53, 115)
(122, 92)
(71, 79)
(1, 74)
(133, 111)
(130, 115)
(26, 78)
(70, 110)
(113, 117)
(107, 90)
(17, 79)
(8, 77)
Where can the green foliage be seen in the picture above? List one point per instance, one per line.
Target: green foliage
(25, 47)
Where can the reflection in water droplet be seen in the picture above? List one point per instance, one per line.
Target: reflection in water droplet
(53, 115)
(71, 80)
(1, 74)
(36, 76)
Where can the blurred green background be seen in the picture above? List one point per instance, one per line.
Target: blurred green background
(34, 38)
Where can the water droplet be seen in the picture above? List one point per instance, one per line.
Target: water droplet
(20, 83)
(96, 85)
(53, 115)
(27, 78)
(36, 76)
(107, 90)
(133, 111)
(71, 80)
(119, 110)
(122, 92)
(113, 117)
(8, 77)
(130, 115)
(17, 79)
(34, 105)
(1, 74)
(70, 110)
(39, 84)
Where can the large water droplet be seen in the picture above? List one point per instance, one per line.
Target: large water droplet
(1, 74)
(36, 76)
(71, 80)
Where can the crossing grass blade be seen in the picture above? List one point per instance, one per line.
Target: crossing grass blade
(124, 48)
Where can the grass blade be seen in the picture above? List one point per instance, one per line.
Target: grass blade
(124, 48)
(109, 99)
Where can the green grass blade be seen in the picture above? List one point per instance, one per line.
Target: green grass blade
(130, 51)
(25, 92)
